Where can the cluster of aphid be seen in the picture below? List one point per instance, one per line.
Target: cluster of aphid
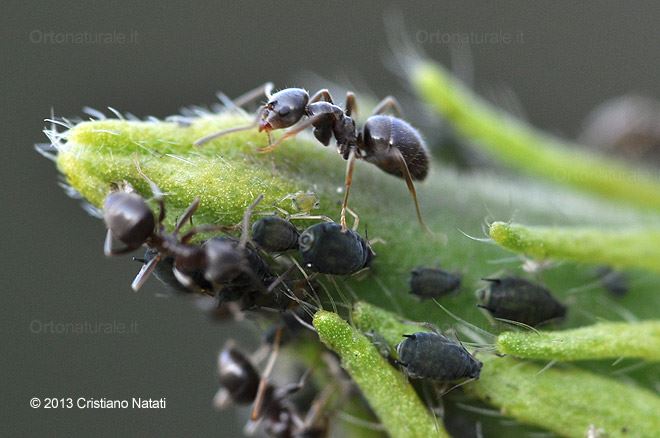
(256, 268)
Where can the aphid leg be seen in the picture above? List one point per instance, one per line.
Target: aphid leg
(304, 216)
(388, 104)
(155, 190)
(350, 166)
(254, 94)
(292, 132)
(213, 136)
(322, 94)
(192, 208)
(351, 104)
(108, 250)
(411, 188)
(263, 383)
(144, 273)
(245, 225)
(356, 218)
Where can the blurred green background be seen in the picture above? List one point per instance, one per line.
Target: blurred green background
(569, 57)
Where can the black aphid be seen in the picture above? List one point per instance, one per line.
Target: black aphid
(615, 282)
(274, 234)
(385, 141)
(428, 355)
(433, 282)
(520, 300)
(328, 249)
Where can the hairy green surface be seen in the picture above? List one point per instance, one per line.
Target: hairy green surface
(390, 396)
(522, 147)
(618, 247)
(568, 400)
(229, 173)
(565, 401)
(598, 341)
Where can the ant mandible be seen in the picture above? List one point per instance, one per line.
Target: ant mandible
(387, 141)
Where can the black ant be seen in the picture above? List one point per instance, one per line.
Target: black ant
(130, 220)
(222, 261)
(387, 141)
(241, 383)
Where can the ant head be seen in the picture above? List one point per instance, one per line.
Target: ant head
(129, 218)
(237, 375)
(284, 109)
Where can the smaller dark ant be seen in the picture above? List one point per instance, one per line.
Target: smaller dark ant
(430, 355)
(433, 282)
(222, 261)
(241, 383)
(130, 220)
(329, 249)
(386, 141)
(517, 300)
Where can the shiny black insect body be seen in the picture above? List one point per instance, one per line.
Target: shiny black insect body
(131, 221)
(428, 355)
(164, 271)
(274, 234)
(238, 377)
(386, 141)
(615, 282)
(433, 282)
(328, 249)
(517, 299)
(241, 383)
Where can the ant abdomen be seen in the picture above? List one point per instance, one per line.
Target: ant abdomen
(382, 133)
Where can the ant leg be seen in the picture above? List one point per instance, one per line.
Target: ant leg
(144, 273)
(350, 166)
(351, 104)
(245, 225)
(208, 138)
(192, 208)
(252, 95)
(263, 383)
(155, 190)
(109, 251)
(294, 131)
(411, 188)
(389, 103)
(323, 94)
(204, 229)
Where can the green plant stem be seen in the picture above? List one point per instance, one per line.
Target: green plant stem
(620, 248)
(599, 341)
(567, 401)
(390, 396)
(520, 146)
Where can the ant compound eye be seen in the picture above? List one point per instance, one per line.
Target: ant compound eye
(284, 111)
